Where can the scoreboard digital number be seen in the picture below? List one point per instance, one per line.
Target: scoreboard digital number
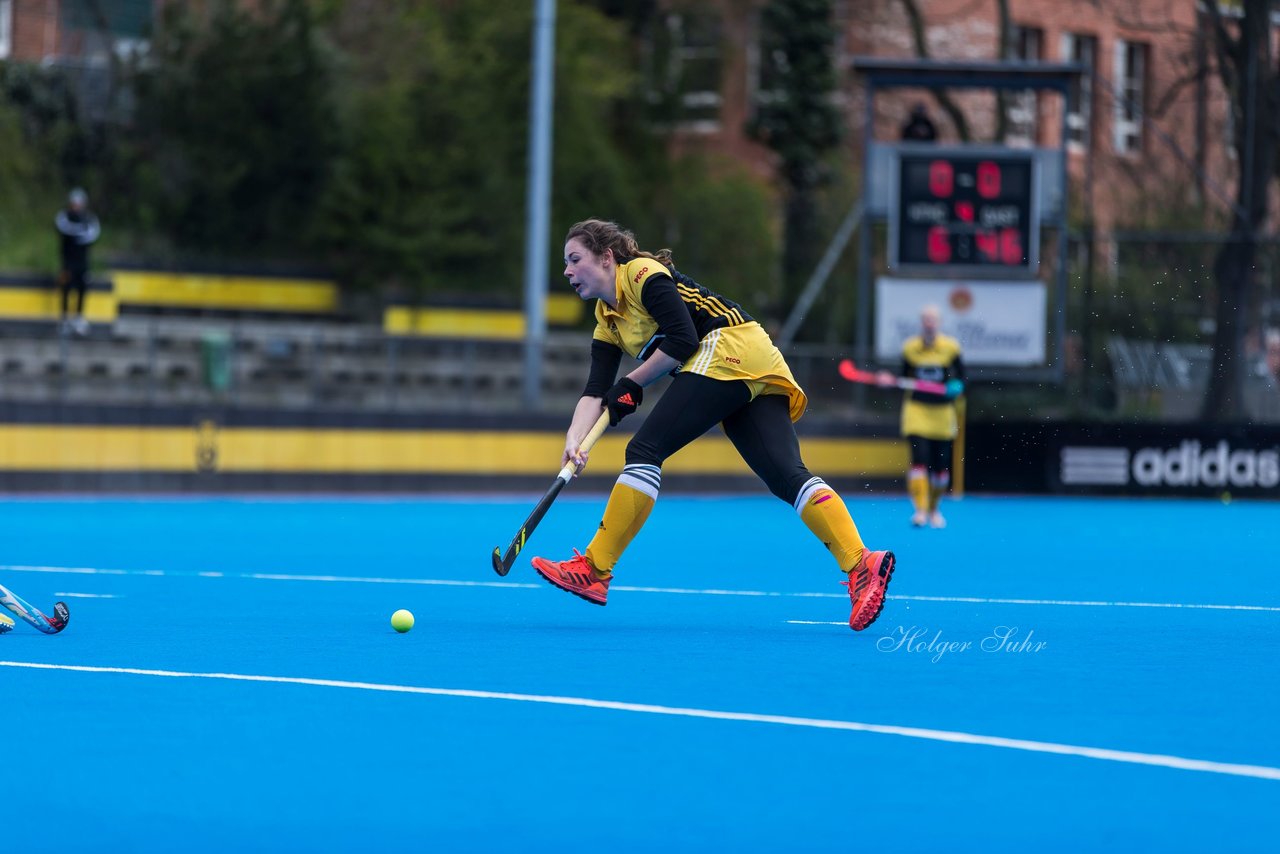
(966, 211)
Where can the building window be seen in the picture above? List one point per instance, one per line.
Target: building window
(1022, 107)
(130, 18)
(6, 28)
(1130, 92)
(686, 69)
(1083, 50)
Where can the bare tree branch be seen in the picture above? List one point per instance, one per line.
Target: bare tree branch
(1175, 88)
(949, 106)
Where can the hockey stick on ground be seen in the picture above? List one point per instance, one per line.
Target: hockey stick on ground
(502, 562)
(20, 608)
(850, 372)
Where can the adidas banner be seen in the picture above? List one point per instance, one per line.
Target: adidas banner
(1131, 459)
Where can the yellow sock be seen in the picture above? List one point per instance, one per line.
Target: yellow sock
(825, 514)
(624, 516)
(918, 489)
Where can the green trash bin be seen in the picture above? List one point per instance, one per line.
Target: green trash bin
(217, 360)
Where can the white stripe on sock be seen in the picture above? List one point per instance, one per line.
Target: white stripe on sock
(811, 486)
(642, 478)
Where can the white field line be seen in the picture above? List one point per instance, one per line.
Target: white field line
(679, 591)
(1261, 772)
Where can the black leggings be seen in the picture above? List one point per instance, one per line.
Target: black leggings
(74, 282)
(760, 429)
(933, 454)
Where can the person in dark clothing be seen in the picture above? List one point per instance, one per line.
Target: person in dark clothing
(919, 128)
(78, 229)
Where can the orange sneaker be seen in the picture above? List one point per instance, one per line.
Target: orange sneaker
(576, 575)
(867, 585)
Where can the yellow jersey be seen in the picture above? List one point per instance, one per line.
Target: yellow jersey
(731, 345)
(931, 416)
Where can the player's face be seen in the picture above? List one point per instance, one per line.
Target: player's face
(929, 323)
(591, 275)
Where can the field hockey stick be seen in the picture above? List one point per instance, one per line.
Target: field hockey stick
(502, 562)
(20, 608)
(850, 372)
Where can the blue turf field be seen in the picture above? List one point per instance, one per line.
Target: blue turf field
(719, 701)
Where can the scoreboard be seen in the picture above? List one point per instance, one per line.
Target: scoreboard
(963, 212)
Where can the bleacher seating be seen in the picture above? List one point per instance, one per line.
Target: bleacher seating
(281, 363)
(229, 350)
(1169, 380)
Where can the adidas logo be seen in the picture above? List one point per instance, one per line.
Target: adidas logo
(626, 400)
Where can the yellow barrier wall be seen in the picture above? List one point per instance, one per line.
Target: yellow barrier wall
(19, 303)
(561, 309)
(208, 448)
(245, 293)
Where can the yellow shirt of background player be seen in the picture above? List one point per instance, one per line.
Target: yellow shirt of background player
(932, 417)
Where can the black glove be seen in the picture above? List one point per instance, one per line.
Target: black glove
(622, 400)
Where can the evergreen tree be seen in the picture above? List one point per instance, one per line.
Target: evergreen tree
(799, 122)
(236, 129)
(429, 192)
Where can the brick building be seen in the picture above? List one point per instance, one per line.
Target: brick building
(1149, 131)
(71, 31)
(1149, 127)
(84, 39)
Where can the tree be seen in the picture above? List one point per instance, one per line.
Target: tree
(38, 134)
(915, 19)
(1246, 64)
(429, 191)
(800, 123)
(236, 127)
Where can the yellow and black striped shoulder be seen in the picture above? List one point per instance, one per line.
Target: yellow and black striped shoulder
(707, 307)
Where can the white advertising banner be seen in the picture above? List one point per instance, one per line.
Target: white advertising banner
(997, 323)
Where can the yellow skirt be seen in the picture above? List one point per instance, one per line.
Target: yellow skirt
(745, 352)
(929, 421)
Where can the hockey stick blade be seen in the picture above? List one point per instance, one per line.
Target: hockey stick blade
(19, 607)
(849, 371)
(503, 561)
(61, 616)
